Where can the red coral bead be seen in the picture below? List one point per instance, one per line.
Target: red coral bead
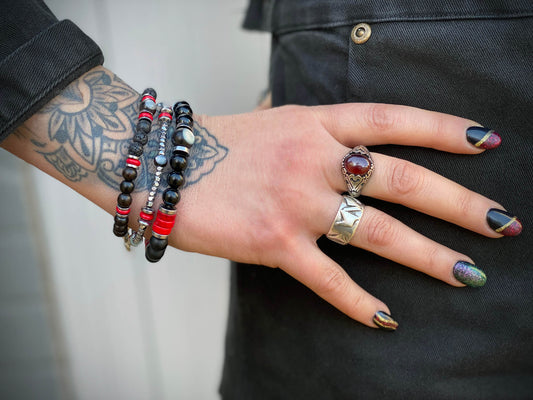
(164, 224)
(146, 217)
(357, 164)
(161, 230)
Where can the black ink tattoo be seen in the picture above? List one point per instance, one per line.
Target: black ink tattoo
(90, 128)
(66, 165)
(206, 154)
(89, 124)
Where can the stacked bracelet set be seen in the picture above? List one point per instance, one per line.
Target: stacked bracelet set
(182, 137)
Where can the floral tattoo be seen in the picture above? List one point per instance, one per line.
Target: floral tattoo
(90, 128)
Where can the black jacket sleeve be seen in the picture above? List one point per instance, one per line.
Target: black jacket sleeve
(39, 56)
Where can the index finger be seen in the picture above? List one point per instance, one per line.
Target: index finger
(374, 124)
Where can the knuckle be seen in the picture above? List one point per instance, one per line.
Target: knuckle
(358, 300)
(381, 117)
(380, 231)
(405, 178)
(265, 239)
(439, 127)
(464, 204)
(432, 259)
(333, 280)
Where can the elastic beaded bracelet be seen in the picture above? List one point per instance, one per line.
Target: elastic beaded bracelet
(147, 108)
(147, 212)
(183, 140)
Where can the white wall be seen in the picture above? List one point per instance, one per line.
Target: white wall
(134, 330)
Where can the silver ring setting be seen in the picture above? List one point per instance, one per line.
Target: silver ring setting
(346, 221)
(357, 168)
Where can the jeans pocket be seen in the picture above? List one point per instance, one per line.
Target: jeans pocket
(447, 65)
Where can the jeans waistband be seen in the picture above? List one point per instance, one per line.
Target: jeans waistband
(282, 16)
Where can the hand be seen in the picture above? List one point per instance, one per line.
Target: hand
(275, 184)
(279, 187)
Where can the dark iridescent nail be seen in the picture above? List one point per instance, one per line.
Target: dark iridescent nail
(483, 138)
(503, 223)
(385, 321)
(469, 274)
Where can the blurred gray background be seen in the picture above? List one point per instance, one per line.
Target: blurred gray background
(80, 318)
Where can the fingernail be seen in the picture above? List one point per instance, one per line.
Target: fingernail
(503, 223)
(469, 274)
(483, 138)
(385, 321)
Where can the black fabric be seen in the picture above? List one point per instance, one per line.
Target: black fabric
(469, 58)
(39, 56)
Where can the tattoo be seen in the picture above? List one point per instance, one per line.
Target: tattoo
(66, 165)
(205, 155)
(90, 127)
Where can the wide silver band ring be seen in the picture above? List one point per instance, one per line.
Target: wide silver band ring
(357, 167)
(346, 221)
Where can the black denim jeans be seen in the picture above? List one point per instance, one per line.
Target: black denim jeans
(468, 58)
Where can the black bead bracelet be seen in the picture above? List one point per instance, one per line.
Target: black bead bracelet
(160, 160)
(183, 139)
(147, 108)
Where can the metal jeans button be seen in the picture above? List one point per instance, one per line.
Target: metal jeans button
(361, 33)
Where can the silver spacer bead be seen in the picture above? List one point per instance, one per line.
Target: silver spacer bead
(183, 149)
(167, 212)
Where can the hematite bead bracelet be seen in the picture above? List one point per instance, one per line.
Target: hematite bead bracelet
(147, 212)
(183, 140)
(147, 108)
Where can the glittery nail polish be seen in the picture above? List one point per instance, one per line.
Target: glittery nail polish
(503, 223)
(483, 138)
(385, 321)
(469, 274)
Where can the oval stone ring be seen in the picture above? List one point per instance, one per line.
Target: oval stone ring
(357, 167)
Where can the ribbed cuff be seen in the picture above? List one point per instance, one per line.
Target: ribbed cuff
(40, 69)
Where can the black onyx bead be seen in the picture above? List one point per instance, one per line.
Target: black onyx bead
(178, 163)
(183, 137)
(180, 104)
(150, 91)
(136, 149)
(144, 126)
(183, 110)
(171, 196)
(184, 120)
(129, 173)
(124, 200)
(160, 160)
(175, 180)
(120, 231)
(169, 206)
(158, 244)
(153, 255)
(140, 138)
(121, 220)
(127, 187)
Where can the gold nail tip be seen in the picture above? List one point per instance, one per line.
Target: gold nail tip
(385, 321)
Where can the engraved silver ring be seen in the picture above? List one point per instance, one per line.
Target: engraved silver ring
(346, 221)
